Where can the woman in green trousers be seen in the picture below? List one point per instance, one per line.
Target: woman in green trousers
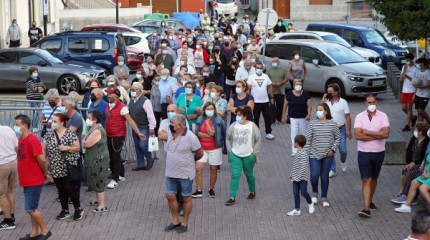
(243, 144)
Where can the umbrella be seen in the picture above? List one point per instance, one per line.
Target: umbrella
(155, 15)
(189, 19)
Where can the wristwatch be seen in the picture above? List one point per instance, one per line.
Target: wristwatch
(68, 148)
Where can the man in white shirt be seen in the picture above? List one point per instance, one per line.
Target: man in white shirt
(409, 71)
(261, 85)
(341, 115)
(244, 72)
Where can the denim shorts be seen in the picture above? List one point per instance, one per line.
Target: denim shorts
(185, 186)
(370, 164)
(32, 197)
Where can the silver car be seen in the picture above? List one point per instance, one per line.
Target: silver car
(54, 71)
(328, 62)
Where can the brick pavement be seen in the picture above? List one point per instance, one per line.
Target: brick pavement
(138, 208)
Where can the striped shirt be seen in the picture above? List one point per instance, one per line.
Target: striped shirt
(47, 110)
(32, 91)
(9, 143)
(300, 171)
(321, 138)
(180, 161)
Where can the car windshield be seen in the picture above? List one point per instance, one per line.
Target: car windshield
(337, 39)
(341, 54)
(374, 37)
(49, 56)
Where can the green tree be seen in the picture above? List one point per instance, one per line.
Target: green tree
(408, 19)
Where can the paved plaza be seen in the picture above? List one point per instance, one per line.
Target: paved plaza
(139, 210)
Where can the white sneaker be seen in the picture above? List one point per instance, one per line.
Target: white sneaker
(403, 209)
(293, 154)
(112, 184)
(314, 200)
(326, 204)
(294, 213)
(311, 208)
(343, 166)
(331, 174)
(270, 136)
(121, 179)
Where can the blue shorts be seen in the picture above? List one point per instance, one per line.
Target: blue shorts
(370, 164)
(185, 186)
(32, 197)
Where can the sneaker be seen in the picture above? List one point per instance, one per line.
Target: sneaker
(99, 210)
(182, 229)
(79, 213)
(373, 207)
(294, 212)
(7, 226)
(343, 166)
(112, 184)
(364, 213)
(325, 204)
(270, 136)
(314, 200)
(211, 193)
(403, 209)
(406, 128)
(171, 227)
(121, 179)
(311, 208)
(293, 154)
(399, 200)
(230, 202)
(63, 214)
(331, 174)
(197, 194)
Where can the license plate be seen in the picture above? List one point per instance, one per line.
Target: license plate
(378, 82)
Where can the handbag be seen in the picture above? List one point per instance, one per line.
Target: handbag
(152, 144)
(74, 173)
(44, 130)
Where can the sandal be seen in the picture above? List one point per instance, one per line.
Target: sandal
(99, 210)
(95, 203)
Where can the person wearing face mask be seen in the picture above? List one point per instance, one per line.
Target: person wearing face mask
(291, 28)
(371, 129)
(240, 98)
(208, 76)
(244, 72)
(62, 146)
(279, 77)
(156, 105)
(148, 66)
(86, 101)
(34, 91)
(188, 56)
(253, 47)
(50, 108)
(415, 154)
(97, 103)
(154, 42)
(165, 81)
(191, 41)
(279, 28)
(146, 82)
(122, 72)
(409, 71)
(13, 35)
(112, 81)
(143, 115)
(296, 68)
(173, 88)
(341, 115)
(187, 77)
(184, 63)
(220, 103)
(116, 114)
(422, 94)
(322, 140)
(210, 129)
(230, 82)
(226, 53)
(34, 33)
(75, 121)
(189, 104)
(205, 22)
(201, 57)
(172, 42)
(166, 58)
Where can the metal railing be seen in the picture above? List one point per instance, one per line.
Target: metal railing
(393, 80)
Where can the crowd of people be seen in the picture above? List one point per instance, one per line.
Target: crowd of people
(184, 93)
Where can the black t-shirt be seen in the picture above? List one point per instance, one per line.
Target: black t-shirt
(147, 84)
(297, 106)
(34, 34)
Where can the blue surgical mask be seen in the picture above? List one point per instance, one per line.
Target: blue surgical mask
(188, 91)
(170, 115)
(62, 109)
(274, 65)
(418, 66)
(181, 63)
(17, 130)
(110, 83)
(428, 133)
(239, 46)
(220, 39)
(165, 52)
(320, 114)
(35, 75)
(120, 63)
(239, 120)
(238, 90)
(408, 63)
(157, 83)
(210, 48)
(252, 60)
(259, 71)
(213, 95)
(163, 77)
(190, 39)
(133, 94)
(248, 68)
(210, 113)
(138, 76)
(205, 74)
(15, 24)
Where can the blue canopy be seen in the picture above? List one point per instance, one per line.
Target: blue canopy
(189, 19)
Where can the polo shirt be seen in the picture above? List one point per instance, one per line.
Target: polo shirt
(379, 121)
(101, 106)
(243, 74)
(338, 110)
(277, 75)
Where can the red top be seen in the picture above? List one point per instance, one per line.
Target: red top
(29, 171)
(207, 143)
(115, 124)
(205, 55)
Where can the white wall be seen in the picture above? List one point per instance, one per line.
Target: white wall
(302, 11)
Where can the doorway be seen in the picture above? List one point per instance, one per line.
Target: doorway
(282, 8)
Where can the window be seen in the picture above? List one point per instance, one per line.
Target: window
(78, 45)
(320, 2)
(294, 36)
(270, 48)
(314, 28)
(7, 57)
(323, 59)
(29, 58)
(53, 45)
(99, 45)
(308, 54)
(131, 40)
(333, 30)
(352, 38)
(285, 51)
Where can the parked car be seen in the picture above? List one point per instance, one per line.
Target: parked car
(136, 40)
(225, 7)
(54, 71)
(170, 22)
(327, 63)
(134, 58)
(365, 37)
(149, 29)
(98, 48)
(368, 54)
(109, 28)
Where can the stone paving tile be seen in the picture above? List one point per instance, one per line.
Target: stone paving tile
(138, 208)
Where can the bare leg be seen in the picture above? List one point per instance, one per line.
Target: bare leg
(199, 175)
(373, 185)
(367, 192)
(101, 199)
(5, 205)
(214, 175)
(422, 114)
(412, 192)
(173, 205)
(424, 191)
(36, 216)
(34, 227)
(409, 114)
(11, 198)
(403, 181)
(188, 205)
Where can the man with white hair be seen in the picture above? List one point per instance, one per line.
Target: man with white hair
(183, 61)
(50, 108)
(75, 122)
(245, 71)
(141, 112)
(165, 82)
(188, 55)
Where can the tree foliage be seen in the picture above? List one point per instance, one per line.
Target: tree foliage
(408, 19)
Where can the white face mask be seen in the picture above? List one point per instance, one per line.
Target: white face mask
(371, 108)
(54, 126)
(111, 105)
(415, 134)
(297, 57)
(89, 122)
(298, 88)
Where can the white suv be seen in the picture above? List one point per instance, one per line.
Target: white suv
(226, 7)
(368, 54)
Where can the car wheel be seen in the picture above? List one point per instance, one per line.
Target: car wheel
(339, 83)
(68, 83)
